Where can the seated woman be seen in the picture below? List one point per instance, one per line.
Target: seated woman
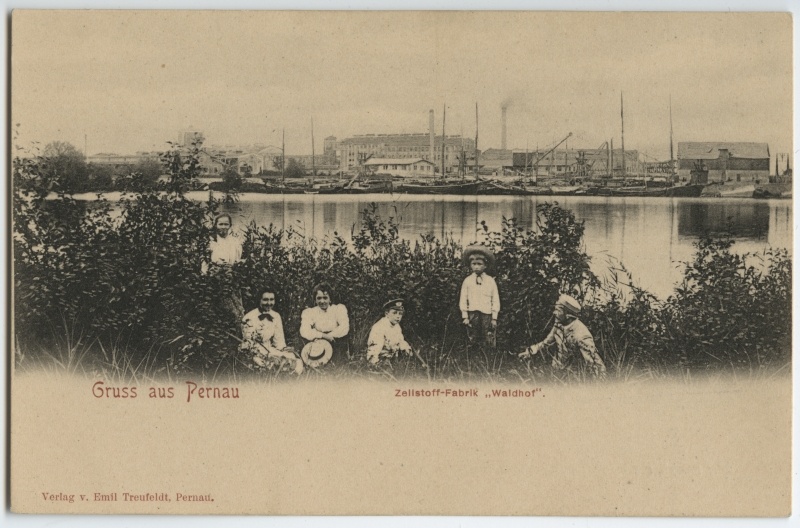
(325, 326)
(262, 332)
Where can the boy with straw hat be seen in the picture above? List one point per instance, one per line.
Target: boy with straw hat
(568, 339)
(479, 301)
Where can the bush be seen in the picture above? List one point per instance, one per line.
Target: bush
(730, 312)
(127, 277)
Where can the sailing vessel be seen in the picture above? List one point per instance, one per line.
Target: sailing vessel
(445, 187)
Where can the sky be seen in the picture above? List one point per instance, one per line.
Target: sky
(124, 82)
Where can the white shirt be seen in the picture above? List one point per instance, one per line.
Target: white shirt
(226, 250)
(261, 331)
(315, 323)
(385, 338)
(479, 294)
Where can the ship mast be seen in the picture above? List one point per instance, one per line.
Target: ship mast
(444, 117)
(526, 158)
(476, 140)
(671, 153)
(462, 161)
(622, 118)
(313, 165)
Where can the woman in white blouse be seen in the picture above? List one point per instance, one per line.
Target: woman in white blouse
(225, 250)
(326, 321)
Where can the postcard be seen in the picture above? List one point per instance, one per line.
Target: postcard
(401, 263)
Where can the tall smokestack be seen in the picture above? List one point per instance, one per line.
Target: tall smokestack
(430, 128)
(503, 129)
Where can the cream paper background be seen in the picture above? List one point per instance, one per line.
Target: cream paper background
(702, 448)
(707, 447)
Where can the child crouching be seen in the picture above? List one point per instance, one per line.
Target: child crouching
(569, 339)
(386, 339)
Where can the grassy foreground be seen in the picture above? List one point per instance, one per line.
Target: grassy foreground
(120, 295)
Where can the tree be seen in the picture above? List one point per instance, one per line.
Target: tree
(55, 149)
(144, 175)
(231, 179)
(100, 177)
(295, 169)
(182, 165)
(65, 167)
(277, 162)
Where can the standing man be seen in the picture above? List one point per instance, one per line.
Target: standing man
(262, 331)
(480, 301)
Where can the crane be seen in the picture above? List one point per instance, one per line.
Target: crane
(543, 156)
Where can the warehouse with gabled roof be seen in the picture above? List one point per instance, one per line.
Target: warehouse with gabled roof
(724, 161)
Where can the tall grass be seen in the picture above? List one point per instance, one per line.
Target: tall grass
(123, 297)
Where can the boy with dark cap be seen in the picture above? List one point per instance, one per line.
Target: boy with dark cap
(479, 301)
(569, 338)
(386, 339)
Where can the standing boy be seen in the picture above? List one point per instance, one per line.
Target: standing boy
(480, 300)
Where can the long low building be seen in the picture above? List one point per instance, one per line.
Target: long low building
(724, 161)
(352, 151)
(403, 167)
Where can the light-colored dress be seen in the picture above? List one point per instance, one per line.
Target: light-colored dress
(266, 332)
(316, 323)
(225, 252)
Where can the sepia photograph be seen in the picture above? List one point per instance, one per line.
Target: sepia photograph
(451, 252)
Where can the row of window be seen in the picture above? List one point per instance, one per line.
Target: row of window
(406, 167)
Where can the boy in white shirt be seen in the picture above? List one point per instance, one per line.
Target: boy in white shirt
(480, 301)
(386, 339)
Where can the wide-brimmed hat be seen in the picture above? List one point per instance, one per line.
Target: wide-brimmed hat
(395, 304)
(570, 305)
(478, 249)
(317, 353)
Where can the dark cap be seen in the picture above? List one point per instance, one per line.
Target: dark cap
(394, 304)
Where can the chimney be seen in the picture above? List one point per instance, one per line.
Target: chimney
(503, 130)
(430, 128)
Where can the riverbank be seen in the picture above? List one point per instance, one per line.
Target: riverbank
(127, 297)
(118, 287)
(495, 186)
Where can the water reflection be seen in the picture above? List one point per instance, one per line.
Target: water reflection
(650, 236)
(742, 220)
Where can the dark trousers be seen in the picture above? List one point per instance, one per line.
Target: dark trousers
(480, 330)
(341, 350)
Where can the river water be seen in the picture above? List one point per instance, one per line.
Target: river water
(650, 236)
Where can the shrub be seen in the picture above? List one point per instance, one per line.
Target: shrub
(728, 311)
(127, 276)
